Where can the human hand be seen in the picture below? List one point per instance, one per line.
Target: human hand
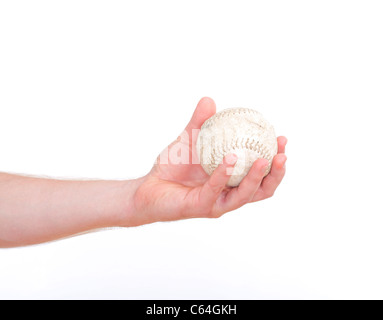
(177, 187)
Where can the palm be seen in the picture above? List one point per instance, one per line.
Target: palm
(190, 174)
(175, 186)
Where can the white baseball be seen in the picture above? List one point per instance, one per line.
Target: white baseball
(244, 132)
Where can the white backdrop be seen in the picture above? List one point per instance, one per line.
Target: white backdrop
(96, 89)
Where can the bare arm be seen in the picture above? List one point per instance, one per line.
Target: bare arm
(34, 210)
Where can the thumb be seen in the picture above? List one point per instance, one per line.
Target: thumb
(204, 110)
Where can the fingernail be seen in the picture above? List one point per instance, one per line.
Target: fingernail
(231, 159)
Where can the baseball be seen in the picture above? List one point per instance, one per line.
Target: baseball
(242, 131)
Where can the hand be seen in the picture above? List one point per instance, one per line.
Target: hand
(176, 188)
(173, 191)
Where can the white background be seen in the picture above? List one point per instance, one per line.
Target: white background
(96, 89)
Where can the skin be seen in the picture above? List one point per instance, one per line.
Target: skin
(36, 210)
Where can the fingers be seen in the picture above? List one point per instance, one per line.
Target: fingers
(273, 179)
(205, 109)
(213, 187)
(245, 192)
(282, 141)
(254, 186)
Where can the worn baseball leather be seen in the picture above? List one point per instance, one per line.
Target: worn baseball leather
(242, 131)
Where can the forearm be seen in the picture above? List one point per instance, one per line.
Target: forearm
(34, 210)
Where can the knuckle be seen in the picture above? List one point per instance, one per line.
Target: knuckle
(269, 194)
(205, 210)
(241, 201)
(215, 214)
(216, 189)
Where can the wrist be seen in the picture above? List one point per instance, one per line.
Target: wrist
(128, 212)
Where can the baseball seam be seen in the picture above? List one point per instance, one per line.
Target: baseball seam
(218, 153)
(228, 112)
